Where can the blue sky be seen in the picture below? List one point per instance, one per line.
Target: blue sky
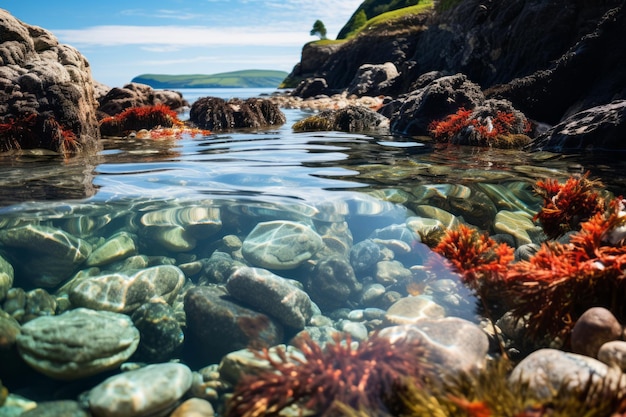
(122, 39)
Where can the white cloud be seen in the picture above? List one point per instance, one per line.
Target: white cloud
(114, 35)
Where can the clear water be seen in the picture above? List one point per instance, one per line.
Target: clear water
(367, 181)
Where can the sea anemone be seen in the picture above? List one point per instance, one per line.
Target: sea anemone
(323, 380)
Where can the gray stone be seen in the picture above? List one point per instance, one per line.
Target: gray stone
(516, 224)
(613, 353)
(457, 346)
(45, 256)
(65, 408)
(391, 272)
(6, 277)
(119, 246)
(78, 343)
(245, 361)
(194, 407)
(410, 310)
(371, 79)
(160, 332)
(332, 282)
(216, 325)
(364, 255)
(150, 391)
(281, 244)
(271, 294)
(546, 373)
(594, 328)
(123, 293)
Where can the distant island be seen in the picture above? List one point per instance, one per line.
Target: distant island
(235, 79)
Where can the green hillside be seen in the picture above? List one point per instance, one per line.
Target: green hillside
(370, 9)
(235, 79)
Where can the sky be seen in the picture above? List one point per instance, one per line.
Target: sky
(123, 39)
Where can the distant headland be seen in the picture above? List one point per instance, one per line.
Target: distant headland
(234, 79)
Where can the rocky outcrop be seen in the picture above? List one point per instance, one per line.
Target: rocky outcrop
(116, 100)
(600, 128)
(348, 119)
(216, 114)
(530, 52)
(47, 93)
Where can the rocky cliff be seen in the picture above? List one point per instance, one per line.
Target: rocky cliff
(550, 59)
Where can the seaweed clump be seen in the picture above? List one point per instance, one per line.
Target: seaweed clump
(137, 118)
(326, 380)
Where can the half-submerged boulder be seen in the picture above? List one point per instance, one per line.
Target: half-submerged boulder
(46, 91)
(217, 114)
(348, 119)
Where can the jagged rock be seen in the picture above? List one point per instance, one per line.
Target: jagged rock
(437, 100)
(116, 100)
(46, 88)
(600, 128)
(348, 119)
(372, 79)
(217, 114)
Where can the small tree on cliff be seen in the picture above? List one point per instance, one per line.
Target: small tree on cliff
(319, 29)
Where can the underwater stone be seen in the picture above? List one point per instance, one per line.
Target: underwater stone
(160, 333)
(364, 255)
(194, 407)
(6, 277)
(281, 244)
(546, 373)
(153, 390)
(172, 238)
(410, 310)
(271, 294)
(45, 255)
(391, 272)
(78, 343)
(216, 325)
(593, 328)
(218, 268)
(198, 221)
(516, 224)
(123, 293)
(119, 246)
(65, 408)
(332, 282)
(613, 353)
(446, 218)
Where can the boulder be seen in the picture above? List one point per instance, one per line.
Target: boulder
(600, 128)
(47, 91)
(372, 80)
(438, 99)
(116, 100)
(311, 87)
(217, 114)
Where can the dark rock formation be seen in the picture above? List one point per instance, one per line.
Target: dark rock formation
(348, 119)
(217, 114)
(598, 128)
(373, 79)
(412, 114)
(48, 84)
(138, 95)
(311, 87)
(314, 55)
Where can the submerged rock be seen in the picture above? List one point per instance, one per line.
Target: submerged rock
(281, 244)
(160, 332)
(150, 391)
(78, 343)
(217, 114)
(124, 293)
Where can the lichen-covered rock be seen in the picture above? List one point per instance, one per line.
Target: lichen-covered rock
(78, 343)
(348, 119)
(153, 390)
(217, 114)
(271, 294)
(281, 244)
(124, 293)
(47, 81)
(332, 282)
